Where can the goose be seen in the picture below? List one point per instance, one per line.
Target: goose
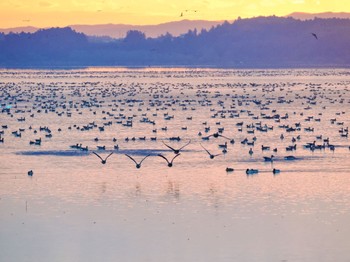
(268, 159)
(170, 163)
(138, 165)
(251, 171)
(103, 161)
(229, 169)
(276, 171)
(263, 148)
(216, 135)
(223, 145)
(211, 156)
(290, 158)
(176, 151)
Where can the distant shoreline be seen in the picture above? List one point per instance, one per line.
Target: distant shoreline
(136, 67)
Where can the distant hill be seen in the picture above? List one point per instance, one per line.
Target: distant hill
(176, 28)
(119, 30)
(261, 42)
(306, 16)
(25, 29)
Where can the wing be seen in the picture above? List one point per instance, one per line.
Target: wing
(205, 150)
(174, 157)
(225, 137)
(109, 155)
(131, 158)
(144, 159)
(97, 156)
(168, 146)
(185, 145)
(164, 157)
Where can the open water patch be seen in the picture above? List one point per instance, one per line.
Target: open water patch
(68, 153)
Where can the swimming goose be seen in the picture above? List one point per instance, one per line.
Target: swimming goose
(290, 158)
(276, 171)
(251, 171)
(268, 159)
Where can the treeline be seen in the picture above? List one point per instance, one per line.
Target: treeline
(260, 42)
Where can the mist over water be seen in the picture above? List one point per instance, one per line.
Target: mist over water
(74, 208)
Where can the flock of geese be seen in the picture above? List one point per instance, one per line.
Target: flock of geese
(293, 113)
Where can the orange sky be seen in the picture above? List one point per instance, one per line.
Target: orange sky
(48, 13)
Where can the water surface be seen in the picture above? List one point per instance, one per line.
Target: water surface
(75, 209)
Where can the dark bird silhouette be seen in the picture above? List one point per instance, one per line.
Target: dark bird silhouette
(268, 159)
(138, 165)
(182, 14)
(314, 35)
(30, 173)
(103, 161)
(216, 135)
(229, 169)
(176, 151)
(276, 171)
(170, 164)
(210, 155)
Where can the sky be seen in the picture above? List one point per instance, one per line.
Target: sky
(50, 13)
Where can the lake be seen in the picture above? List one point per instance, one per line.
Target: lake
(74, 208)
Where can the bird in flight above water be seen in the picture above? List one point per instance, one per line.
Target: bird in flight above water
(216, 135)
(315, 35)
(170, 164)
(103, 161)
(211, 156)
(176, 151)
(138, 165)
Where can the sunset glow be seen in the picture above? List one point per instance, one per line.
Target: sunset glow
(51, 13)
